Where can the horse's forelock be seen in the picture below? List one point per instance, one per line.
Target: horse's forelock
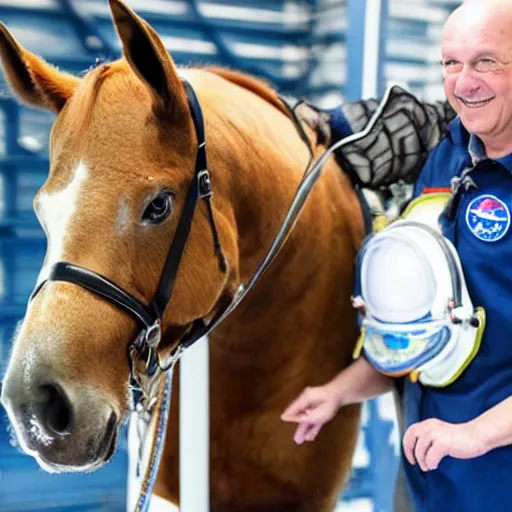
(122, 83)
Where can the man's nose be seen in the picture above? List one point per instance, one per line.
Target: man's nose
(467, 83)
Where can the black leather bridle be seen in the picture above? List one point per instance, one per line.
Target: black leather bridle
(150, 316)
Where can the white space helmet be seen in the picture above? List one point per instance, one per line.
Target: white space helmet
(417, 314)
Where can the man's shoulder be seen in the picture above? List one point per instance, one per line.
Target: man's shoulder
(453, 144)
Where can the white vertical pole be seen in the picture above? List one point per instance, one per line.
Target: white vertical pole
(133, 485)
(195, 428)
(372, 50)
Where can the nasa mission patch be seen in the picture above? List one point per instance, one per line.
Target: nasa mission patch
(488, 218)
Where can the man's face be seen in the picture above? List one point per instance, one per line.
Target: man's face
(477, 64)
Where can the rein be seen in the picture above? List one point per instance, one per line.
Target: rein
(148, 368)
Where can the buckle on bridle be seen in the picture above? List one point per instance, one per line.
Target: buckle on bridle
(154, 335)
(204, 184)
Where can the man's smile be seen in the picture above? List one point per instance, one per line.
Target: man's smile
(475, 104)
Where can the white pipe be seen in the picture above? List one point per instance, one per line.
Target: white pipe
(195, 428)
(372, 28)
(133, 451)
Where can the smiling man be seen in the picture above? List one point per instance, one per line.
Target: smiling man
(458, 442)
(477, 63)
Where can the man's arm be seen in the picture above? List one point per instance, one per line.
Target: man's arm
(494, 426)
(397, 147)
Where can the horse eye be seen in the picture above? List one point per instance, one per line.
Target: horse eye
(159, 209)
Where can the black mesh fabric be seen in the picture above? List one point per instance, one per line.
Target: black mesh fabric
(397, 146)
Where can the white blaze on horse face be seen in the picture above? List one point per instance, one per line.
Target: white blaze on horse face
(56, 211)
(123, 219)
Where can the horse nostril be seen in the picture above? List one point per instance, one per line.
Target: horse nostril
(56, 413)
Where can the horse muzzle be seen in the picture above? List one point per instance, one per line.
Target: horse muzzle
(66, 427)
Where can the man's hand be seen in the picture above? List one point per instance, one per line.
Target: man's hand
(311, 410)
(316, 406)
(429, 441)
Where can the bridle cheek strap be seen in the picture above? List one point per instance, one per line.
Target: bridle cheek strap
(200, 188)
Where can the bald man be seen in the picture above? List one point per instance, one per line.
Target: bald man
(458, 441)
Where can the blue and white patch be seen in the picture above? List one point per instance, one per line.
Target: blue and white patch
(488, 218)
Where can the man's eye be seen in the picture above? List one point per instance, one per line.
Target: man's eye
(485, 65)
(451, 65)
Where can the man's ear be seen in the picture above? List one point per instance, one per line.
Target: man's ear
(33, 80)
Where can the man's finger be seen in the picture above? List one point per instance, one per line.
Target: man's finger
(300, 432)
(435, 455)
(296, 410)
(423, 444)
(313, 431)
(409, 443)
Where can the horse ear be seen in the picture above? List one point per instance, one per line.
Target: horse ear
(148, 57)
(33, 80)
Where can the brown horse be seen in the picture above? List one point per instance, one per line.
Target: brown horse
(122, 154)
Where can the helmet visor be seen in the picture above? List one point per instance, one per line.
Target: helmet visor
(398, 352)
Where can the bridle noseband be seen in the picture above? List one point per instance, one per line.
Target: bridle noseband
(145, 346)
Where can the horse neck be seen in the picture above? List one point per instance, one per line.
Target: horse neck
(313, 274)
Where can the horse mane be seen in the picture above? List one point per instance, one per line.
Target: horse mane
(320, 130)
(92, 82)
(251, 83)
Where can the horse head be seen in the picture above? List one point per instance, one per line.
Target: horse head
(122, 155)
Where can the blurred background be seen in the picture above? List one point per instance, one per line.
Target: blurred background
(316, 49)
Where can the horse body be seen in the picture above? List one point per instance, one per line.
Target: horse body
(122, 136)
(294, 329)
